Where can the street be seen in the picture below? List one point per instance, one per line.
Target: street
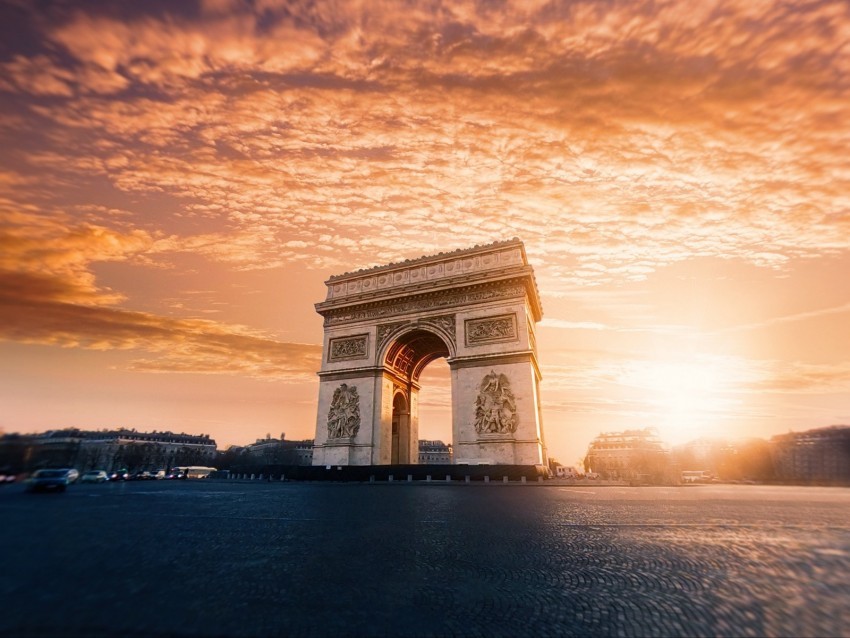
(221, 558)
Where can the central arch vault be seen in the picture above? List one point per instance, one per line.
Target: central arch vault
(476, 308)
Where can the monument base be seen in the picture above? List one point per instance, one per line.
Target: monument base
(396, 473)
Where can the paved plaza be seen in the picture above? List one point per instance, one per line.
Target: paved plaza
(208, 558)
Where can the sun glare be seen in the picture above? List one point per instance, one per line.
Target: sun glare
(687, 398)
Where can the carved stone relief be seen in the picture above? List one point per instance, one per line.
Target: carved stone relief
(495, 408)
(490, 329)
(348, 348)
(385, 330)
(447, 265)
(344, 413)
(446, 322)
(421, 305)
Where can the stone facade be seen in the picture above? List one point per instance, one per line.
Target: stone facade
(434, 453)
(821, 455)
(383, 326)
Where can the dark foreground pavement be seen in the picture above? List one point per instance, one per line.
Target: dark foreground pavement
(205, 558)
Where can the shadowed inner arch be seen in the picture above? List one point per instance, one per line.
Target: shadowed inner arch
(411, 352)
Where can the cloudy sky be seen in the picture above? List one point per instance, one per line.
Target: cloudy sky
(178, 179)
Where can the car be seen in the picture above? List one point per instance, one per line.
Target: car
(56, 480)
(94, 476)
(140, 476)
(7, 477)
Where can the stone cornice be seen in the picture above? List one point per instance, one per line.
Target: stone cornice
(484, 360)
(429, 299)
(432, 273)
(407, 263)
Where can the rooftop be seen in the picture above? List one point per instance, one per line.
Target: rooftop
(515, 241)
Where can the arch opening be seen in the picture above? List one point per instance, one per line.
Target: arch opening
(435, 413)
(400, 445)
(406, 358)
(408, 355)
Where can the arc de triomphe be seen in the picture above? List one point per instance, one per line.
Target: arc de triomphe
(476, 307)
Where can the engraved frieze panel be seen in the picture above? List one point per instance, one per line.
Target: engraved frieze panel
(495, 407)
(490, 329)
(510, 256)
(479, 259)
(335, 317)
(345, 348)
(344, 413)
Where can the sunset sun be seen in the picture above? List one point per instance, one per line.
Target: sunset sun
(687, 396)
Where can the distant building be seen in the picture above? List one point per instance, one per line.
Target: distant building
(434, 453)
(821, 455)
(627, 455)
(114, 449)
(273, 451)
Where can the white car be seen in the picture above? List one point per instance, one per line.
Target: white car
(94, 476)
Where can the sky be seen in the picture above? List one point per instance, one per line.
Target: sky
(178, 179)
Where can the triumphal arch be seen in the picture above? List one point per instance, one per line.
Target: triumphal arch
(475, 307)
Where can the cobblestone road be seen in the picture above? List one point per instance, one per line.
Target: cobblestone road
(206, 558)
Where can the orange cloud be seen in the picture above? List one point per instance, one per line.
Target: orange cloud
(169, 51)
(30, 312)
(49, 295)
(615, 139)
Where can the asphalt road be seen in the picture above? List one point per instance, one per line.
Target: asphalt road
(210, 558)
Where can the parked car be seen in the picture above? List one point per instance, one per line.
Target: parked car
(7, 477)
(51, 480)
(94, 476)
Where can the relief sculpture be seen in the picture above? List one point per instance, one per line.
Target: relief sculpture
(334, 317)
(446, 322)
(490, 329)
(384, 330)
(353, 348)
(495, 408)
(344, 414)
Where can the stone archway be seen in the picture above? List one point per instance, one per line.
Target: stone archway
(400, 447)
(383, 326)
